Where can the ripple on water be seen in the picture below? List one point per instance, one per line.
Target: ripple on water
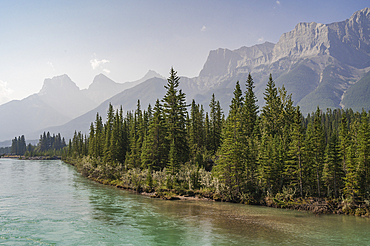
(49, 203)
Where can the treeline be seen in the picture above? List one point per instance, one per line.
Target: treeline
(253, 153)
(49, 145)
(18, 145)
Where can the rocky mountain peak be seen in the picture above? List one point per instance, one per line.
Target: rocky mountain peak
(360, 15)
(360, 23)
(100, 81)
(58, 84)
(305, 40)
(220, 62)
(152, 74)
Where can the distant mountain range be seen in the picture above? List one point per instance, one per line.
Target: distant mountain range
(58, 102)
(326, 65)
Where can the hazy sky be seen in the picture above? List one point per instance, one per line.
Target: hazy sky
(124, 39)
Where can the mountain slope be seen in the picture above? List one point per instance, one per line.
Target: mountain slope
(357, 96)
(59, 101)
(315, 62)
(62, 94)
(27, 115)
(103, 88)
(147, 92)
(320, 64)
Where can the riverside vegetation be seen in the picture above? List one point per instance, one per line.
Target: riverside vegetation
(276, 158)
(49, 147)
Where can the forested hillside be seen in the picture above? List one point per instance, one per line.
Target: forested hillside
(254, 153)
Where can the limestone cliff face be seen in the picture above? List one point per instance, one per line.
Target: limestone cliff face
(347, 41)
(334, 56)
(220, 62)
(224, 61)
(350, 39)
(306, 40)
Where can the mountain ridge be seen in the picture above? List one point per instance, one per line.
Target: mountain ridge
(317, 63)
(59, 101)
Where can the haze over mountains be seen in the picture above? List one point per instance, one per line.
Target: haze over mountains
(326, 65)
(59, 101)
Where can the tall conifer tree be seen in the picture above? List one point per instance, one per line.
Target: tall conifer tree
(174, 108)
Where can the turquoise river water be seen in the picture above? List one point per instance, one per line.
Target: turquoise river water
(50, 203)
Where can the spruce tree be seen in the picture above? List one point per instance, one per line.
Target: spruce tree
(271, 112)
(363, 156)
(155, 148)
(294, 162)
(174, 108)
(230, 167)
(215, 125)
(108, 155)
(249, 138)
(250, 109)
(333, 172)
(133, 158)
(318, 143)
(92, 145)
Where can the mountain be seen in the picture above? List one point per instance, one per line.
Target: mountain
(58, 102)
(315, 62)
(147, 92)
(64, 96)
(103, 87)
(357, 96)
(19, 117)
(326, 65)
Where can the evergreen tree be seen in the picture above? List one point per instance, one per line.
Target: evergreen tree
(363, 158)
(333, 172)
(249, 124)
(174, 108)
(197, 134)
(271, 112)
(122, 141)
(92, 145)
(250, 108)
(347, 156)
(108, 154)
(344, 141)
(318, 144)
(214, 125)
(133, 159)
(230, 166)
(155, 147)
(99, 137)
(116, 138)
(294, 162)
(14, 148)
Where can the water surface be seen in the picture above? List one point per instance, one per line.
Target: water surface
(50, 203)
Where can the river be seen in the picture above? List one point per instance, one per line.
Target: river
(50, 203)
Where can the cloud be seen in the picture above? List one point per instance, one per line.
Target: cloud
(106, 70)
(203, 29)
(5, 92)
(278, 2)
(51, 65)
(260, 39)
(95, 63)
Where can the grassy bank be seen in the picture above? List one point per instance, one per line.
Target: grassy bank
(193, 183)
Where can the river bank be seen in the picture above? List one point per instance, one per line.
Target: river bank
(137, 183)
(51, 204)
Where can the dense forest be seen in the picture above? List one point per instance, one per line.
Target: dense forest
(254, 153)
(49, 145)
